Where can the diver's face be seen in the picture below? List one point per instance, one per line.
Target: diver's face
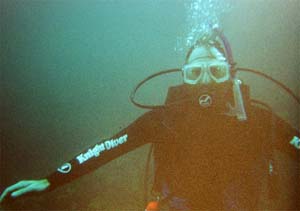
(206, 65)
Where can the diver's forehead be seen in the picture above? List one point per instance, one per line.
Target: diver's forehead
(205, 53)
(206, 59)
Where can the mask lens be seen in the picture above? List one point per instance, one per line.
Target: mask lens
(194, 73)
(218, 72)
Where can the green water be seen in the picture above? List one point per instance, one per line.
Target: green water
(67, 69)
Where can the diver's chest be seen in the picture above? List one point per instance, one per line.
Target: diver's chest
(218, 139)
(211, 131)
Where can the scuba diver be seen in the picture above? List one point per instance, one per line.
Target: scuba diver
(212, 145)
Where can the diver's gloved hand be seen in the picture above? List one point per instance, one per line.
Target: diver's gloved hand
(24, 187)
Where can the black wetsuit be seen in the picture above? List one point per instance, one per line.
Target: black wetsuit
(210, 159)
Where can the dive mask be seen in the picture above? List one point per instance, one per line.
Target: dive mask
(203, 72)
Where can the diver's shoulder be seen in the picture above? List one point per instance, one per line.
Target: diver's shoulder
(262, 115)
(151, 115)
(255, 111)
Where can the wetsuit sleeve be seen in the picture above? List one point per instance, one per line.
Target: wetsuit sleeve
(287, 138)
(141, 131)
(279, 133)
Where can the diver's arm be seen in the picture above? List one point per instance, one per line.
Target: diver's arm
(143, 130)
(280, 132)
(286, 138)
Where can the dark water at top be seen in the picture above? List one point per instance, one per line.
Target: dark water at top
(67, 68)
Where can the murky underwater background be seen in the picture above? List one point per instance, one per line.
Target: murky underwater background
(68, 67)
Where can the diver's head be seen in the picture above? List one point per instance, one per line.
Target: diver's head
(205, 64)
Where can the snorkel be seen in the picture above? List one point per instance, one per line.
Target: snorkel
(228, 51)
(239, 108)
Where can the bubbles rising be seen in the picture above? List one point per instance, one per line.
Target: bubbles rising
(201, 17)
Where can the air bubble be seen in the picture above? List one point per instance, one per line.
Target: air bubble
(201, 18)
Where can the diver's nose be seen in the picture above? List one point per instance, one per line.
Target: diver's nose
(205, 78)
